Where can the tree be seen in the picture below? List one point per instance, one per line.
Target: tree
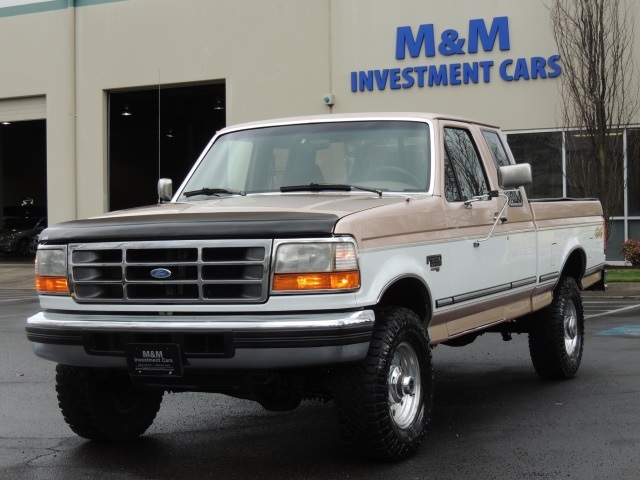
(598, 93)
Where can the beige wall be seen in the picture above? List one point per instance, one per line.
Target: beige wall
(272, 56)
(277, 58)
(37, 59)
(365, 38)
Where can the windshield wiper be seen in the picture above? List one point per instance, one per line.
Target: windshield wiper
(319, 187)
(212, 192)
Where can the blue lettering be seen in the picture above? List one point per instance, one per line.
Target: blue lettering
(394, 78)
(522, 69)
(437, 75)
(420, 41)
(406, 74)
(537, 67)
(365, 80)
(406, 41)
(470, 72)
(450, 44)
(478, 31)
(555, 68)
(420, 71)
(503, 70)
(381, 78)
(454, 74)
(486, 70)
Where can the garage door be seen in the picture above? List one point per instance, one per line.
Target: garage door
(26, 108)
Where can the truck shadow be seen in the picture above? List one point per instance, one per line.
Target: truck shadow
(224, 443)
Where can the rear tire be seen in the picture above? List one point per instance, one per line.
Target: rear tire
(384, 402)
(103, 405)
(556, 336)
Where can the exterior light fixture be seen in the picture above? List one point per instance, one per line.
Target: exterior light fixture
(126, 112)
(6, 123)
(218, 105)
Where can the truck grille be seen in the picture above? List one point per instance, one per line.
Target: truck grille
(207, 271)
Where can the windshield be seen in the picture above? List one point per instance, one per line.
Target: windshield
(386, 155)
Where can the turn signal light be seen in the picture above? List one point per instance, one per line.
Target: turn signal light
(316, 281)
(51, 284)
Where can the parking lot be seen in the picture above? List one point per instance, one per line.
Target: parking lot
(493, 418)
(595, 307)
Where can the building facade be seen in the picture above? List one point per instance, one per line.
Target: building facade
(98, 98)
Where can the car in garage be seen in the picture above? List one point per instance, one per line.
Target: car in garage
(17, 233)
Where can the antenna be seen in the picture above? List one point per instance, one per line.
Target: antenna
(159, 125)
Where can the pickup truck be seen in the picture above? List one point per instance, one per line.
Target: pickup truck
(321, 258)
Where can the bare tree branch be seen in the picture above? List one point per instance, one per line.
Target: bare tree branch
(599, 93)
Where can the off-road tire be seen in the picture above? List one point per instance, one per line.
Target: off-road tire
(556, 333)
(371, 418)
(103, 405)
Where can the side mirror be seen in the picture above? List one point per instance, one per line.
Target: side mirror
(165, 189)
(512, 176)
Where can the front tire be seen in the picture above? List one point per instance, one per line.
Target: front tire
(103, 405)
(556, 336)
(384, 402)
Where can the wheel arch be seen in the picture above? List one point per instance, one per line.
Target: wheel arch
(575, 264)
(409, 292)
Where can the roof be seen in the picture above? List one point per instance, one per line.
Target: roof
(331, 117)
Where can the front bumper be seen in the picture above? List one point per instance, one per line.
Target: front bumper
(207, 342)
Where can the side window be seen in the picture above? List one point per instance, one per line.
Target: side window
(496, 148)
(465, 163)
(451, 188)
(501, 159)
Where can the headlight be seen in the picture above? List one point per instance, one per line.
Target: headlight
(320, 266)
(51, 270)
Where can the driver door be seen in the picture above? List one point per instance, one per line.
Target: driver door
(480, 265)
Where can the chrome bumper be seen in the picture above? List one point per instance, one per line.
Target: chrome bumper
(246, 341)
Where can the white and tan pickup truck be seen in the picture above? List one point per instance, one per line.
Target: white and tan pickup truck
(315, 258)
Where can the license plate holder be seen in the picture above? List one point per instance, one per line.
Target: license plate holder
(154, 359)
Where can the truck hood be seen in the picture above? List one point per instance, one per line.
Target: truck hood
(251, 216)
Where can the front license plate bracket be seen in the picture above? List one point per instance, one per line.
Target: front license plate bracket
(154, 359)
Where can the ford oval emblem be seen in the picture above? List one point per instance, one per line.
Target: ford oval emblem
(160, 273)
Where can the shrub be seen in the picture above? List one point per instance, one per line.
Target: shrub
(631, 252)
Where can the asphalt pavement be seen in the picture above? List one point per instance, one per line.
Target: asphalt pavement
(18, 276)
(493, 418)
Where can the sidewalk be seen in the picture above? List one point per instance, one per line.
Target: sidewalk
(17, 276)
(20, 276)
(630, 290)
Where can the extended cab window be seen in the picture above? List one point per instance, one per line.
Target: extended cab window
(500, 158)
(464, 175)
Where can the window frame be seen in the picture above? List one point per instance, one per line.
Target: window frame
(515, 198)
(447, 153)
